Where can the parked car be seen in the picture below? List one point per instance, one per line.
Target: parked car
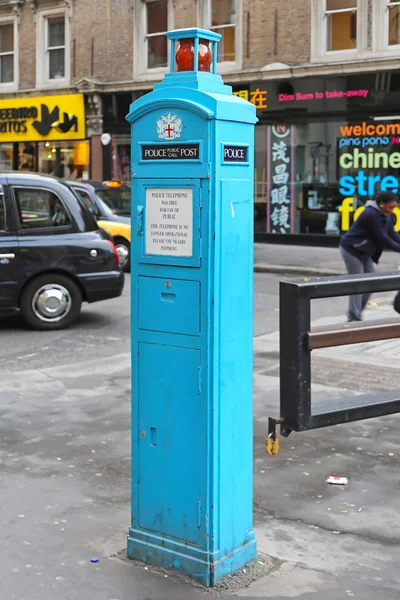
(109, 202)
(53, 256)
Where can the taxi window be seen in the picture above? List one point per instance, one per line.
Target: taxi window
(84, 196)
(40, 208)
(119, 200)
(2, 214)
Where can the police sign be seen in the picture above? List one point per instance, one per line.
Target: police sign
(236, 154)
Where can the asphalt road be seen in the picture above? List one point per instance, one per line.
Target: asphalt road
(103, 329)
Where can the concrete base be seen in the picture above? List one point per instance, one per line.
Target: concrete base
(206, 568)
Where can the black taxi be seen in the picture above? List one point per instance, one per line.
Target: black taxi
(110, 204)
(53, 256)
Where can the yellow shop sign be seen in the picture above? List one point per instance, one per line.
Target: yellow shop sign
(42, 118)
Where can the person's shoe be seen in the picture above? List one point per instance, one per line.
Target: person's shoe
(352, 319)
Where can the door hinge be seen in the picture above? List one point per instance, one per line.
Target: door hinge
(200, 382)
(201, 248)
(139, 220)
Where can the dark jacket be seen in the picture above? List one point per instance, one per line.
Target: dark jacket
(370, 234)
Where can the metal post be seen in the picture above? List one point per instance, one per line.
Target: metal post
(295, 375)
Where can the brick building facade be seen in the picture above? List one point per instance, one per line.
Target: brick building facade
(301, 63)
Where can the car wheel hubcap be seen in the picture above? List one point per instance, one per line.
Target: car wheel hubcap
(51, 303)
(123, 254)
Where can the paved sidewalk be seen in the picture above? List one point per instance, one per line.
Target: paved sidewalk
(334, 542)
(382, 354)
(65, 496)
(309, 260)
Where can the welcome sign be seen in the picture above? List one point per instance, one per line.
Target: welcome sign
(369, 162)
(372, 155)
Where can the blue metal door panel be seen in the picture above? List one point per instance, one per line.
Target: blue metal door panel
(172, 442)
(169, 305)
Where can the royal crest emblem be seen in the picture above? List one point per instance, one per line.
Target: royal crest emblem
(169, 127)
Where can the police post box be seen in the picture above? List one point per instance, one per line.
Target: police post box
(192, 318)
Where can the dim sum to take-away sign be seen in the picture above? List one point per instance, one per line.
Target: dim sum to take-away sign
(42, 118)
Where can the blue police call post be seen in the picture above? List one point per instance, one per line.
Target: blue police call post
(192, 319)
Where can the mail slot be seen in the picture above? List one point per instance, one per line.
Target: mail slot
(169, 305)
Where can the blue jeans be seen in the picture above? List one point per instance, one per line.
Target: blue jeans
(355, 266)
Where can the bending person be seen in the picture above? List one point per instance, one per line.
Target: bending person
(362, 246)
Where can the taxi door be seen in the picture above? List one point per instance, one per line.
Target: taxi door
(10, 276)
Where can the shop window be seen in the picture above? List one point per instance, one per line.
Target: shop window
(223, 18)
(2, 214)
(316, 177)
(52, 62)
(39, 208)
(68, 160)
(121, 163)
(6, 157)
(393, 8)
(27, 156)
(341, 20)
(153, 19)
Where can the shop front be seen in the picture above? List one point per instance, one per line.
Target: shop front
(324, 146)
(45, 134)
(117, 155)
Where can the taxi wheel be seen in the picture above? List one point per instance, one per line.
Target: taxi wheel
(123, 248)
(51, 302)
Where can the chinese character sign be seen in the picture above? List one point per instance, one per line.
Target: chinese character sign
(280, 194)
(257, 97)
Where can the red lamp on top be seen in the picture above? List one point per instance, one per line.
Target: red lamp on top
(184, 56)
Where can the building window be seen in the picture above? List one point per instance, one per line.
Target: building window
(223, 21)
(7, 53)
(52, 49)
(341, 22)
(156, 40)
(55, 47)
(153, 18)
(224, 17)
(393, 8)
(342, 29)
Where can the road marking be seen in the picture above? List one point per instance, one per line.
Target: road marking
(26, 356)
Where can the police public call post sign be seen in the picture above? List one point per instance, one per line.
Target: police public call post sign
(42, 118)
(170, 151)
